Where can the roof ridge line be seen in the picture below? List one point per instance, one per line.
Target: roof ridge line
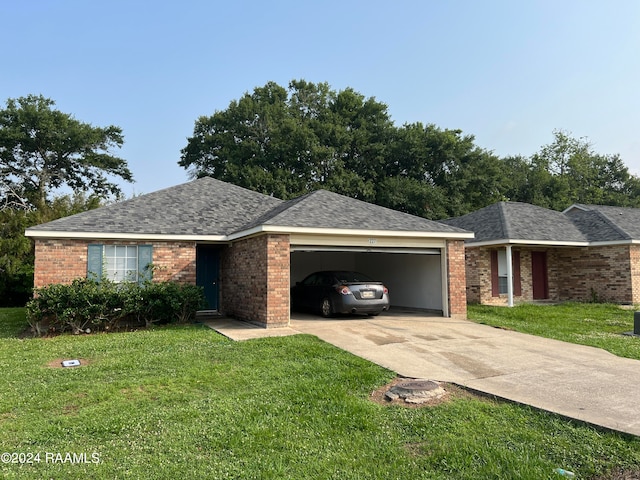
(612, 224)
(504, 224)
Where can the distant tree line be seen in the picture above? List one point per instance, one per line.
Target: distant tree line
(289, 141)
(285, 142)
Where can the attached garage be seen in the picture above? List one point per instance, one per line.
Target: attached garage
(411, 268)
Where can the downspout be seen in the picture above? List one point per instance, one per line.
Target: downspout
(509, 277)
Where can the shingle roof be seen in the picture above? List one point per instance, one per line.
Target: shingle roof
(210, 207)
(324, 209)
(605, 223)
(518, 221)
(202, 207)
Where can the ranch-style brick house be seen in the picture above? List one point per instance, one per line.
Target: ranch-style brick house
(522, 253)
(247, 249)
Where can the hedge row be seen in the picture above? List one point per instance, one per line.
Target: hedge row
(86, 305)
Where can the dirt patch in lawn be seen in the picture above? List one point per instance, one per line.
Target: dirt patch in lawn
(621, 475)
(57, 363)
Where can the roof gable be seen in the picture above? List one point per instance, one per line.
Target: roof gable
(324, 209)
(504, 221)
(606, 223)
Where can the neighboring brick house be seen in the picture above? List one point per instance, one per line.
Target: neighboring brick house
(247, 249)
(586, 253)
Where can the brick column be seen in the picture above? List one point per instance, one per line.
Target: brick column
(255, 280)
(456, 279)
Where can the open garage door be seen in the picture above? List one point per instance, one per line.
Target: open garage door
(414, 276)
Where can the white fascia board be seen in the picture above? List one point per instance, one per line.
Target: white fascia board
(577, 207)
(124, 236)
(345, 231)
(614, 242)
(509, 241)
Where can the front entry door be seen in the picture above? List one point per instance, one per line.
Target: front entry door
(539, 275)
(207, 273)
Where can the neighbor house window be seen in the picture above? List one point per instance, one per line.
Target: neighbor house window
(502, 272)
(119, 263)
(499, 279)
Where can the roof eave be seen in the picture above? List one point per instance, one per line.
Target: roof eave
(122, 236)
(515, 241)
(346, 231)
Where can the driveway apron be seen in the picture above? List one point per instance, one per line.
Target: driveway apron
(584, 383)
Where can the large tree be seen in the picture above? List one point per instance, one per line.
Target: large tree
(568, 171)
(290, 141)
(42, 149)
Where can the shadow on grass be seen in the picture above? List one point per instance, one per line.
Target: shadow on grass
(13, 322)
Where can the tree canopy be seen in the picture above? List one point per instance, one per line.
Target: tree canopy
(290, 141)
(42, 149)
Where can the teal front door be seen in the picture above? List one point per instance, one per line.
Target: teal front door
(207, 273)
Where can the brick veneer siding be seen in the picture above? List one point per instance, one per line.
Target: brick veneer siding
(603, 273)
(255, 280)
(456, 278)
(62, 260)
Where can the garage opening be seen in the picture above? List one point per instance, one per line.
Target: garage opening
(413, 276)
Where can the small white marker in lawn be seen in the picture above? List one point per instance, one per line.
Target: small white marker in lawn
(71, 363)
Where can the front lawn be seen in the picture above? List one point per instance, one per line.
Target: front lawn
(184, 402)
(597, 325)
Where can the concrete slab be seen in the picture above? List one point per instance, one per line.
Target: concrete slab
(239, 331)
(579, 382)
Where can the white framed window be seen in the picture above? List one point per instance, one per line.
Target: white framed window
(119, 263)
(503, 283)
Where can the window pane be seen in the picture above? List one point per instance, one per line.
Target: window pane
(503, 285)
(502, 263)
(121, 263)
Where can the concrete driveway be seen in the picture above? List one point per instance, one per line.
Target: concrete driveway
(580, 382)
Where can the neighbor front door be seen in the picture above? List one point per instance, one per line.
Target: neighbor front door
(539, 275)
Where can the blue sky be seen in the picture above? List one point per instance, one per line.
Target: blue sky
(508, 72)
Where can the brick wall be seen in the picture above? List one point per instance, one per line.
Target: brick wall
(456, 278)
(254, 280)
(634, 260)
(605, 273)
(62, 261)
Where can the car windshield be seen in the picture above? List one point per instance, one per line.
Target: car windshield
(350, 277)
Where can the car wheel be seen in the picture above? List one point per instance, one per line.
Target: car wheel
(326, 309)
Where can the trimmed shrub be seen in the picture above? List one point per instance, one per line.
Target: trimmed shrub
(86, 305)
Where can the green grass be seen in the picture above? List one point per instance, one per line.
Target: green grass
(597, 325)
(184, 402)
(12, 322)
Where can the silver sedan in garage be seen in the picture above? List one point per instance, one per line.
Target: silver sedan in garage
(335, 291)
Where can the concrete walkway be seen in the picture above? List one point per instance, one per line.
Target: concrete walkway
(580, 382)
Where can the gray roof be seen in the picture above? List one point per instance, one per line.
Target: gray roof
(202, 207)
(524, 222)
(518, 221)
(605, 223)
(324, 209)
(210, 207)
